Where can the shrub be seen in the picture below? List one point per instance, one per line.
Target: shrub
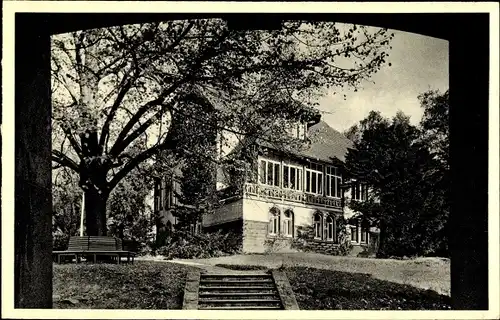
(276, 244)
(59, 241)
(345, 245)
(184, 245)
(305, 234)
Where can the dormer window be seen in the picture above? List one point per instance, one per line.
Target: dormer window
(297, 130)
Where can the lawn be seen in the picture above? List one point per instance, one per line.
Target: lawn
(421, 273)
(319, 289)
(141, 285)
(319, 282)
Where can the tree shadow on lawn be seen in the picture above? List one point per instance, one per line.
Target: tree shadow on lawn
(241, 267)
(317, 289)
(142, 285)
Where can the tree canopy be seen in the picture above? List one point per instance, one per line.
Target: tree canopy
(119, 93)
(407, 172)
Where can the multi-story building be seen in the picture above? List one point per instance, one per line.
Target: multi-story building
(286, 195)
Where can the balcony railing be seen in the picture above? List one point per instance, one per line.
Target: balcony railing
(269, 192)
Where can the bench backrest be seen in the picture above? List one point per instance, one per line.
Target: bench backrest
(119, 244)
(101, 243)
(78, 243)
(94, 243)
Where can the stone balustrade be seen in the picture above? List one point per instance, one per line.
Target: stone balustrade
(291, 195)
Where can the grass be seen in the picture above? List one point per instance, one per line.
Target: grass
(317, 289)
(319, 282)
(422, 273)
(141, 285)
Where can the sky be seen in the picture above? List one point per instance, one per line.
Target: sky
(419, 63)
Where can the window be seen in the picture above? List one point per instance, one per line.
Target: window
(288, 223)
(314, 178)
(157, 195)
(197, 227)
(292, 177)
(297, 130)
(317, 225)
(167, 200)
(274, 221)
(162, 193)
(175, 187)
(269, 172)
(333, 182)
(359, 191)
(354, 231)
(365, 227)
(330, 228)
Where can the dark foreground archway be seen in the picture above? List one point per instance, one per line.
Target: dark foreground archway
(469, 66)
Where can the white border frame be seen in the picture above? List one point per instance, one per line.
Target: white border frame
(10, 7)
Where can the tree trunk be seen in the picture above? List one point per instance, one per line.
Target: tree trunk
(95, 212)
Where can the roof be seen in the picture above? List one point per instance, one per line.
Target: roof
(326, 144)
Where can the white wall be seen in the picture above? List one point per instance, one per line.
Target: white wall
(258, 210)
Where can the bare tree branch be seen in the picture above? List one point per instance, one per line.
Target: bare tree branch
(125, 86)
(63, 160)
(129, 166)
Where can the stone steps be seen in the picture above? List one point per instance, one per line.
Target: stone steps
(238, 292)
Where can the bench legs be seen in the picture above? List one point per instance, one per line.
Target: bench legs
(130, 257)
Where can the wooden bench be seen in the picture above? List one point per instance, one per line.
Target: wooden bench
(94, 246)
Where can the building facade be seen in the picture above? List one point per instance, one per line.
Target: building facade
(289, 201)
(297, 198)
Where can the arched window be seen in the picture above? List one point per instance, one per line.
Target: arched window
(330, 228)
(274, 221)
(317, 225)
(288, 223)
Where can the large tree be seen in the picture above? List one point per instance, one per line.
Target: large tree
(398, 166)
(121, 94)
(435, 128)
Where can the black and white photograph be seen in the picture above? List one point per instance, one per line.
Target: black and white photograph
(276, 161)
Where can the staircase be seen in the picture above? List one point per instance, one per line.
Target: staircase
(238, 291)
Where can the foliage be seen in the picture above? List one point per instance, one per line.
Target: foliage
(345, 245)
(66, 206)
(276, 244)
(141, 285)
(407, 198)
(436, 123)
(185, 245)
(122, 94)
(305, 235)
(436, 134)
(197, 180)
(317, 289)
(129, 213)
